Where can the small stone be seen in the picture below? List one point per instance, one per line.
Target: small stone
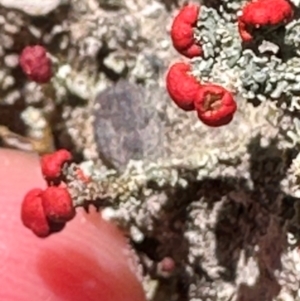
(126, 126)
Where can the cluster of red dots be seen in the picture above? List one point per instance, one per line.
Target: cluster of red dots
(215, 105)
(46, 211)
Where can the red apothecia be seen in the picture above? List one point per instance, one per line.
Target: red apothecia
(182, 31)
(260, 13)
(36, 64)
(215, 105)
(182, 86)
(33, 215)
(47, 211)
(51, 164)
(57, 204)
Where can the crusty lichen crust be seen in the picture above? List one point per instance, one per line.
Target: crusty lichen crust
(223, 203)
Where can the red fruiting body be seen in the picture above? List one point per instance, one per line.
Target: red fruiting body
(57, 204)
(182, 86)
(32, 213)
(215, 105)
(34, 217)
(182, 32)
(36, 64)
(51, 164)
(263, 13)
(167, 265)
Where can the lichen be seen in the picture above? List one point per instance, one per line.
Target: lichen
(223, 203)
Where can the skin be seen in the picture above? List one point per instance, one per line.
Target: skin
(89, 260)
